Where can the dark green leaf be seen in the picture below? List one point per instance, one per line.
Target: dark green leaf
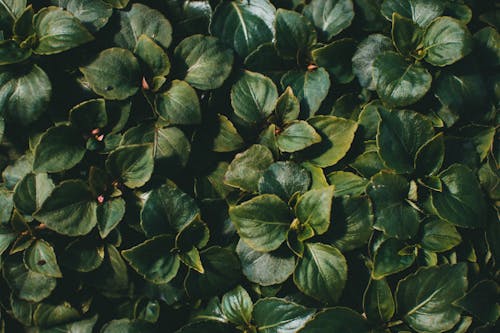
(41, 258)
(421, 12)
(284, 179)
(391, 257)
(378, 302)
(227, 138)
(31, 192)
(93, 14)
(336, 57)
(287, 106)
(179, 105)
(314, 208)
(439, 235)
(337, 319)
(11, 53)
(89, 115)
(330, 16)
(364, 58)
(109, 214)
(347, 183)
(47, 315)
(132, 165)
(83, 255)
(297, 136)
(294, 34)
(237, 306)
(274, 315)
(482, 301)
(406, 35)
(128, 326)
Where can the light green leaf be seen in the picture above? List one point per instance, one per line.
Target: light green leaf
(297, 136)
(244, 25)
(93, 14)
(295, 35)
(284, 179)
(337, 135)
(321, 273)
(394, 216)
(167, 209)
(265, 268)
(310, 87)
(114, 74)
(153, 56)
(179, 105)
(24, 95)
(26, 284)
(227, 138)
(59, 149)
(425, 298)
(399, 82)
(247, 167)
(109, 214)
(41, 258)
(421, 12)
(347, 183)
(153, 259)
(446, 41)
(203, 61)
(253, 97)
(31, 192)
(142, 20)
(48, 315)
(461, 202)
(58, 30)
(364, 58)
(330, 16)
(287, 107)
(262, 222)
(69, 210)
(314, 208)
(401, 134)
(237, 306)
(132, 165)
(274, 315)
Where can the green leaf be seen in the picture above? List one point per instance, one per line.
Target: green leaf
(297, 136)
(69, 209)
(112, 274)
(237, 306)
(284, 179)
(127, 325)
(25, 94)
(179, 105)
(347, 183)
(83, 255)
(446, 41)
(425, 298)
(262, 222)
(47, 315)
(487, 41)
(6, 238)
(378, 302)
(421, 12)
(31, 192)
(244, 25)
(310, 87)
(6, 205)
(330, 16)
(253, 97)
(93, 14)
(203, 61)
(274, 315)
(12, 8)
(399, 82)
(132, 165)
(406, 35)
(153, 259)
(109, 214)
(114, 74)
(82, 326)
(58, 30)
(482, 301)
(321, 273)
(211, 326)
(153, 56)
(461, 202)
(287, 107)
(400, 136)
(265, 268)
(295, 35)
(314, 208)
(337, 319)
(222, 273)
(89, 115)
(247, 167)
(430, 156)
(59, 149)
(167, 209)
(336, 58)
(352, 223)
(364, 58)
(142, 20)
(192, 259)
(41, 258)
(26, 284)
(391, 257)
(227, 138)
(337, 135)
(394, 216)
(439, 235)
(11, 53)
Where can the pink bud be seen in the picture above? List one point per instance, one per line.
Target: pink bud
(100, 137)
(95, 131)
(145, 85)
(100, 199)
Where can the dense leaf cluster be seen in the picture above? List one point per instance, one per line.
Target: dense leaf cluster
(249, 166)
